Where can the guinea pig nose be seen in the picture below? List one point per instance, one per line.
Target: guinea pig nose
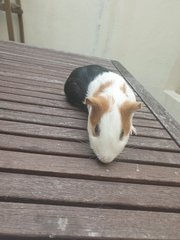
(105, 159)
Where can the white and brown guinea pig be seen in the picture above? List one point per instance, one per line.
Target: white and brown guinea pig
(110, 103)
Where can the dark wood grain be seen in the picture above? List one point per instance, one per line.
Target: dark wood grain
(93, 193)
(88, 168)
(60, 133)
(36, 101)
(61, 221)
(51, 111)
(51, 183)
(52, 55)
(31, 87)
(25, 93)
(51, 61)
(79, 149)
(44, 96)
(66, 121)
(67, 129)
(56, 111)
(55, 89)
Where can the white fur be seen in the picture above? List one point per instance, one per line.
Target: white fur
(107, 146)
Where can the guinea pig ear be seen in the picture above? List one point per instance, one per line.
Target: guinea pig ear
(123, 88)
(135, 106)
(100, 105)
(129, 107)
(126, 110)
(92, 101)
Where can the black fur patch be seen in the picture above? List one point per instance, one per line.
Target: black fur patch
(78, 81)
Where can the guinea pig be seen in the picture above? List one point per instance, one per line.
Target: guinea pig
(110, 103)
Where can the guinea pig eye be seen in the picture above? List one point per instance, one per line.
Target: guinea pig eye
(97, 130)
(121, 135)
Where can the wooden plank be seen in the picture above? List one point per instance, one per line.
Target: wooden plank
(68, 122)
(57, 111)
(29, 68)
(21, 92)
(58, 70)
(49, 61)
(85, 168)
(162, 114)
(40, 78)
(81, 192)
(59, 58)
(51, 111)
(29, 87)
(64, 132)
(152, 132)
(46, 119)
(25, 93)
(53, 74)
(60, 103)
(36, 130)
(54, 93)
(82, 223)
(32, 81)
(153, 143)
(61, 79)
(80, 149)
(37, 101)
(47, 146)
(149, 156)
(55, 87)
(38, 118)
(37, 67)
(66, 172)
(52, 55)
(36, 82)
(26, 71)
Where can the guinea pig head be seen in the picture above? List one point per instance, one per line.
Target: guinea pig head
(109, 125)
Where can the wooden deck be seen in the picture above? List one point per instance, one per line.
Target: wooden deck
(52, 186)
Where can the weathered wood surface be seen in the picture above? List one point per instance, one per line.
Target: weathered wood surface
(86, 223)
(89, 168)
(52, 185)
(75, 124)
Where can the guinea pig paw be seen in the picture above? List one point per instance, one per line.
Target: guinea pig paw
(133, 130)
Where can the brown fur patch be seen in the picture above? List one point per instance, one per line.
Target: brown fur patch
(102, 87)
(123, 88)
(99, 105)
(126, 111)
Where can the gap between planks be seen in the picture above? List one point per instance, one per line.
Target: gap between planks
(44, 97)
(21, 105)
(79, 149)
(80, 222)
(80, 136)
(81, 168)
(68, 129)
